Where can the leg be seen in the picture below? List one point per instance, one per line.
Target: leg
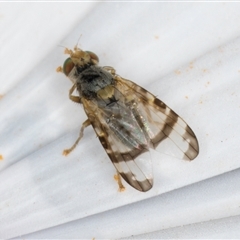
(72, 97)
(117, 177)
(84, 125)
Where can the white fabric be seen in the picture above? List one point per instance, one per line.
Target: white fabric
(187, 54)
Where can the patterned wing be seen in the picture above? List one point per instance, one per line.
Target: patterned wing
(124, 141)
(168, 132)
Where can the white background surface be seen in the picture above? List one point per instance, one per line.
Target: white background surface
(188, 54)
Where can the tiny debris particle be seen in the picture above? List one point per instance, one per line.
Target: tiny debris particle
(178, 72)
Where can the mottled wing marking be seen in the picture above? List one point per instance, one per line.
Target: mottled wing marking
(133, 164)
(168, 132)
(158, 126)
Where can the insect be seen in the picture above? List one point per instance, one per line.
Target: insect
(127, 119)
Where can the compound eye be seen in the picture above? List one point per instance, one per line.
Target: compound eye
(93, 57)
(68, 66)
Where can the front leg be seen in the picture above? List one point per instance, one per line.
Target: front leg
(76, 99)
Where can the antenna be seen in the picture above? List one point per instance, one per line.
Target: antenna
(76, 46)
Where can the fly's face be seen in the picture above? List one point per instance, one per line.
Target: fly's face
(78, 59)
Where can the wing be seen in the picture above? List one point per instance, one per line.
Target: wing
(132, 120)
(124, 142)
(168, 132)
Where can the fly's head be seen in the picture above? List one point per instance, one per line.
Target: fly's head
(77, 59)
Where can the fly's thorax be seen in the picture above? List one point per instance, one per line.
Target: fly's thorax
(94, 82)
